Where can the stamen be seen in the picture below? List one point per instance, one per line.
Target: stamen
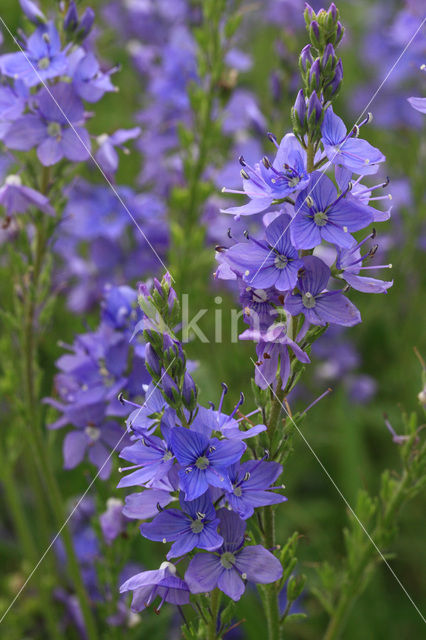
(323, 395)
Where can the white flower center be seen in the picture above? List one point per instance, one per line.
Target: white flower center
(308, 300)
(13, 180)
(93, 432)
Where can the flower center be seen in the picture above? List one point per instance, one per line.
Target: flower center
(197, 526)
(167, 456)
(93, 432)
(259, 295)
(227, 560)
(13, 180)
(308, 300)
(320, 218)
(238, 492)
(202, 463)
(294, 181)
(280, 262)
(54, 129)
(43, 63)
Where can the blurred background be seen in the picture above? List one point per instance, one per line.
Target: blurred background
(371, 368)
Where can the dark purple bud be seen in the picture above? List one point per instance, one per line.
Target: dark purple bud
(315, 75)
(170, 388)
(172, 297)
(309, 13)
(71, 18)
(300, 106)
(189, 392)
(152, 361)
(328, 55)
(314, 107)
(306, 58)
(315, 30)
(332, 12)
(31, 10)
(86, 23)
(333, 87)
(339, 34)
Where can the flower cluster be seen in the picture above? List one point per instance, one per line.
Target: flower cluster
(289, 276)
(45, 86)
(100, 364)
(191, 458)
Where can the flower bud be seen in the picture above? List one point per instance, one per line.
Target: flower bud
(295, 587)
(71, 18)
(300, 107)
(86, 24)
(314, 110)
(332, 88)
(170, 390)
(315, 76)
(314, 33)
(309, 14)
(339, 34)
(33, 13)
(152, 361)
(333, 12)
(327, 60)
(306, 59)
(189, 392)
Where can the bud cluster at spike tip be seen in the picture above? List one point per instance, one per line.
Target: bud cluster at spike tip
(321, 71)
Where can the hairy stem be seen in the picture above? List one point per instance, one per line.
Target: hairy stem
(212, 625)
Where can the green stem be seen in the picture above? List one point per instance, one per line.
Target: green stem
(24, 532)
(214, 608)
(310, 156)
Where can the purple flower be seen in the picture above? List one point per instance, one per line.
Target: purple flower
(266, 181)
(342, 148)
(193, 527)
(96, 442)
(112, 521)
(163, 583)
(89, 82)
(322, 215)
(55, 131)
(251, 486)
(152, 458)
(17, 198)
(272, 262)
(145, 505)
(419, 104)
(232, 564)
(41, 61)
(204, 462)
(319, 306)
(106, 155)
(350, 262)
(272, 351)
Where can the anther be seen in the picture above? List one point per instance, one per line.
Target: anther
(242, 162)
(229, 233)
(244, 175)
